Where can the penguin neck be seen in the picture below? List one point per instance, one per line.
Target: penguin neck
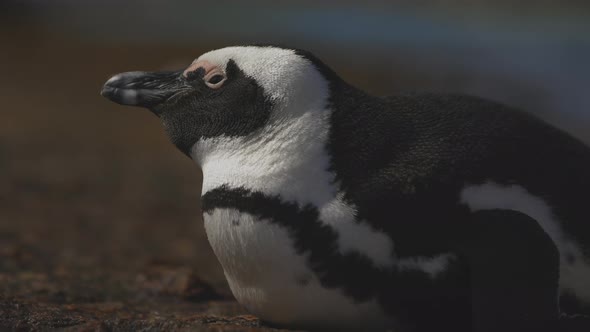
(286, 158)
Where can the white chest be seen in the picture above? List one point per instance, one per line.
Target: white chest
(284, 163)
(272, 281)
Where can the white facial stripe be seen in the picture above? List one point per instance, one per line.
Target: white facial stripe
(289, 80)
(576, 276)
(269, 66)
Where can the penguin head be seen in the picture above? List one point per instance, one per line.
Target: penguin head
(229, 92)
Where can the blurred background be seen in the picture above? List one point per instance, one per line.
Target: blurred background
(97, 207)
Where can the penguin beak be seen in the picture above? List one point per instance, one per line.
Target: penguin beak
(143, 89)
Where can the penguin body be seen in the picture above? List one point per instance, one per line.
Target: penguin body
(331, 208)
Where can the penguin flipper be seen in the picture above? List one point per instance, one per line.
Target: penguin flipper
(514, 271)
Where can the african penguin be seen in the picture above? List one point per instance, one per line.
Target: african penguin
(331, 208)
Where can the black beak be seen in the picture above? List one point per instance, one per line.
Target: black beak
(143, 89)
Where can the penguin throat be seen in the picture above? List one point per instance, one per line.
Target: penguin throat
(286, 158)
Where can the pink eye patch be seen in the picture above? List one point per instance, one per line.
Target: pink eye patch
(197, 66)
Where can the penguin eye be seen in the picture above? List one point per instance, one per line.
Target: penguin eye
(215, 79)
